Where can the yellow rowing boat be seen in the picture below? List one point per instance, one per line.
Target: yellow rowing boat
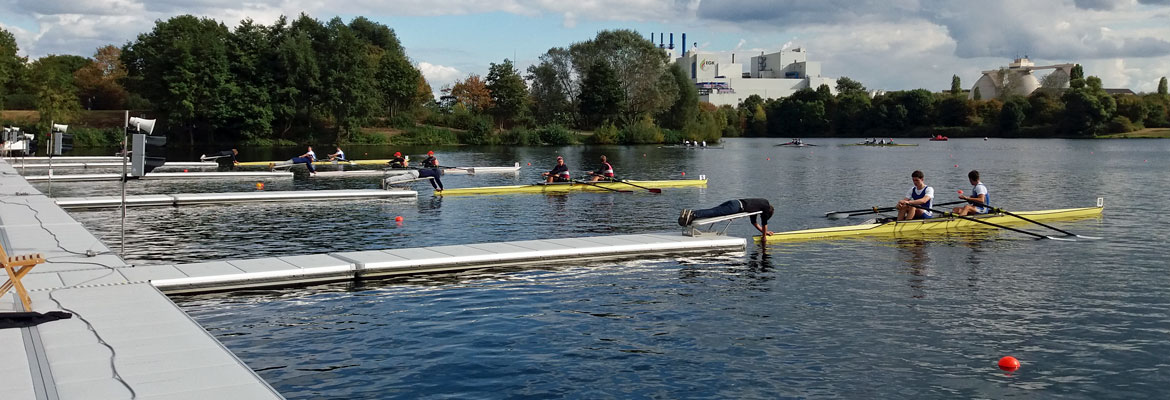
(934, 225)
(565, 187)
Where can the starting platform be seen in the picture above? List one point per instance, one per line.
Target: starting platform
(696, 228)
(187, 199)
(162, 176)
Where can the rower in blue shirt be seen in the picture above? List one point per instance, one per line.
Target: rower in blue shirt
(918, 201)
(980, 203)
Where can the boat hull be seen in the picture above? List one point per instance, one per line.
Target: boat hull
(933, 225)
(566, 187)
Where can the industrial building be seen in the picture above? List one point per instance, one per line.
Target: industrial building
(1018, 79)
(770, 76)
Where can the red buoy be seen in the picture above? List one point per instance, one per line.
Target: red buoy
(1009, 363)
(684, 174)
(398, 219)
(259, 185)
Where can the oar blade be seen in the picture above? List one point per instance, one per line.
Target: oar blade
(655, 190)
(836, 215)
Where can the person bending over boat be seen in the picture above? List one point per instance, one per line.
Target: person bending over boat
(687, 216)
(308, 158)
(430, 169)
(339, 155)
(399, 161)
(980, 203)
(605, 172)
(919, 195)
(220, 157)
(559, 173)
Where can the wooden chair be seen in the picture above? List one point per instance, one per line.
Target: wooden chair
(17, 267)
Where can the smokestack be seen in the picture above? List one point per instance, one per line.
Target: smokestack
(733, 58)
(651, 37)
(671, 41)
(661, 43)
(684, 43)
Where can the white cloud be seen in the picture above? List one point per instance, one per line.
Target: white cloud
(439, 75)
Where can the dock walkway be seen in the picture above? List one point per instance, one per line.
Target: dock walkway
(127, 339)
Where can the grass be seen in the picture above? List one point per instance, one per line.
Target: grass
(1148, 133)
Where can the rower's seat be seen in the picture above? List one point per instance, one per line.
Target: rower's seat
(707, 226)
(17, 267)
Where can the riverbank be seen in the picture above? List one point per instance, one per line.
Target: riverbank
(1148, 133)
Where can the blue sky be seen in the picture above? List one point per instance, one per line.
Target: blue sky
(885, 44)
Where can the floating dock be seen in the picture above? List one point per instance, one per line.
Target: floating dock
(187, 199)
(163, 176)
(16, 161)
(68, 165)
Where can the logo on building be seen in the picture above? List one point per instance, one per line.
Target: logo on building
(705, 63)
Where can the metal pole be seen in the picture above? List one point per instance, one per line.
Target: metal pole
(124, 158)
(51, 122)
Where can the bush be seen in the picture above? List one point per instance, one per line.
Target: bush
(672, 136)
(555, 135)
(480, 132)
(644, 131)
(520, 136)
(94, 137)
(359, 136)
(426, 135)
(606, 134)
(1120, 124)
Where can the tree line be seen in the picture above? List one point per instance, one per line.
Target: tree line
(1078, 107)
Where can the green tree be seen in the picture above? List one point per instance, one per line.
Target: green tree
(296, 73)
(956, 111)
(11, 65)
(1087, 109)
(759, 121)
(1076, 79)
(508, 91)
(553, 91)
(1044, 108)
(1133, 108)
(848, 87)
(181, 66)
(1011, 116)
(686, 106)
(348, 92)
(247, 97)
(601, 97)
(1162, 86)
(639, 65)
(851, 113)
(397, 83)
(956, 85)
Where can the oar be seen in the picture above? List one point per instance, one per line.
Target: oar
(948, 214)
(652, 190)
(603, 187)
(472, 170)
(1000, 210)
(873, 210)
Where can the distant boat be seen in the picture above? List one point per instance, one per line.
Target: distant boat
(939, 138)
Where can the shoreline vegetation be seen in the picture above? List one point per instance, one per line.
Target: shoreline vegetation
(303, 80)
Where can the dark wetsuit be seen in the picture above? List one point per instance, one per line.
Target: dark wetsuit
(431, 169)
(739, 206)
(560, 173)
(225, 158)
(398, 162)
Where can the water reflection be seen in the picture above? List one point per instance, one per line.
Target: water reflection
(914, 256)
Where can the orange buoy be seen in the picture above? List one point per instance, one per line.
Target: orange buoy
(1009, 363)
(960, 191)
(398, 219)
(259, 185)
(769, 158)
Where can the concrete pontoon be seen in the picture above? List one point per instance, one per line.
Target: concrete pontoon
(186, 199)
(163, 176)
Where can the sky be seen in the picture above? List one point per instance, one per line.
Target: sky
(884, 44)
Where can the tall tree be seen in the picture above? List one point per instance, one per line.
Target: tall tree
(686, 107)
(52, 82)
(601, 97)
(638, 64)
(99, 84)
(398, 82)
(180, 66)
(956, 85)
(296, 73)
(508, 92)
(348, 76)
(11, 65)
(1076, 79)
(1011, 116)
(1162, 86)
(247, 97)
(472, 93)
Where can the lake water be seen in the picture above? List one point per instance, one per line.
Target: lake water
(861, 318)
